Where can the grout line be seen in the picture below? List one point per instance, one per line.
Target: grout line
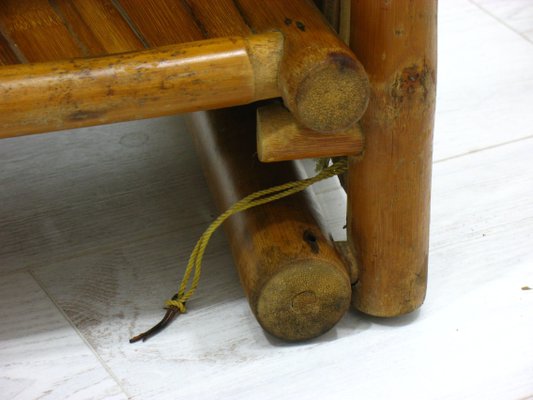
(81, 336)
(483, 149)
(501, 21)
(22, 270)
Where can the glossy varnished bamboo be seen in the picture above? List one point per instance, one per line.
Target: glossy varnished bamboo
(37, 31)
(208, 74)
(319, 79)
(98, 26)
(162, 22)
(389, 190)
(296, 284)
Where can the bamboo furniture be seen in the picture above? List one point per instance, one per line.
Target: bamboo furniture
(389, 190)
(295, 281)
(67, 64)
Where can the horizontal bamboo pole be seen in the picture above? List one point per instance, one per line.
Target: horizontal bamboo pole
(188, 77)
(321, 80)
(295, 281)
(280, 138)
(296, 56)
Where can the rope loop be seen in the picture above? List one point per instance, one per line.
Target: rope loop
(187, 287)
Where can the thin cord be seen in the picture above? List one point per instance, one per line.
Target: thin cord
(176, 305)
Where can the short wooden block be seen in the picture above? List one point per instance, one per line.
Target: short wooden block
(281, 138)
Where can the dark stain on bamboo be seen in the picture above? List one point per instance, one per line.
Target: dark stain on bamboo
(342, 61)
(311, 239)
(412, 83)
(82, 115)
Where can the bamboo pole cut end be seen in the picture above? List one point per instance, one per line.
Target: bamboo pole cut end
(304, 300)
(326, 88)
(332, 96)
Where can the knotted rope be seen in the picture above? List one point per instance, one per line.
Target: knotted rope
(186, 289)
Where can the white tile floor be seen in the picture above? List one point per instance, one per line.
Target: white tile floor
(95, 223)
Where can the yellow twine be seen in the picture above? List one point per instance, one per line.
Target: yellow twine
(253, 200)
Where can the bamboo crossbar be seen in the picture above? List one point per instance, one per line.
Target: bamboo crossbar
(206, 74)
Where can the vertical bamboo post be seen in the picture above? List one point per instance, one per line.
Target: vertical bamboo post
(389, 190)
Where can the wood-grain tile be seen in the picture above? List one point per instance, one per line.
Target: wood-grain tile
(485, 82)
(483, 205)
(473, 329)
(41, 356)
(517, 14)
(480, 258)
(68, 193)
(113, 295)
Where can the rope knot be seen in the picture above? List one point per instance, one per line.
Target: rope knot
(179, 304)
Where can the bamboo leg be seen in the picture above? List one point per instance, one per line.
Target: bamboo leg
(389, 190)
(295, 281)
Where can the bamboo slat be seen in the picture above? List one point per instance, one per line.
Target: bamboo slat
(7, 56)
(37, 31)
(220, 18)
(99, 26)
(163, 22)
